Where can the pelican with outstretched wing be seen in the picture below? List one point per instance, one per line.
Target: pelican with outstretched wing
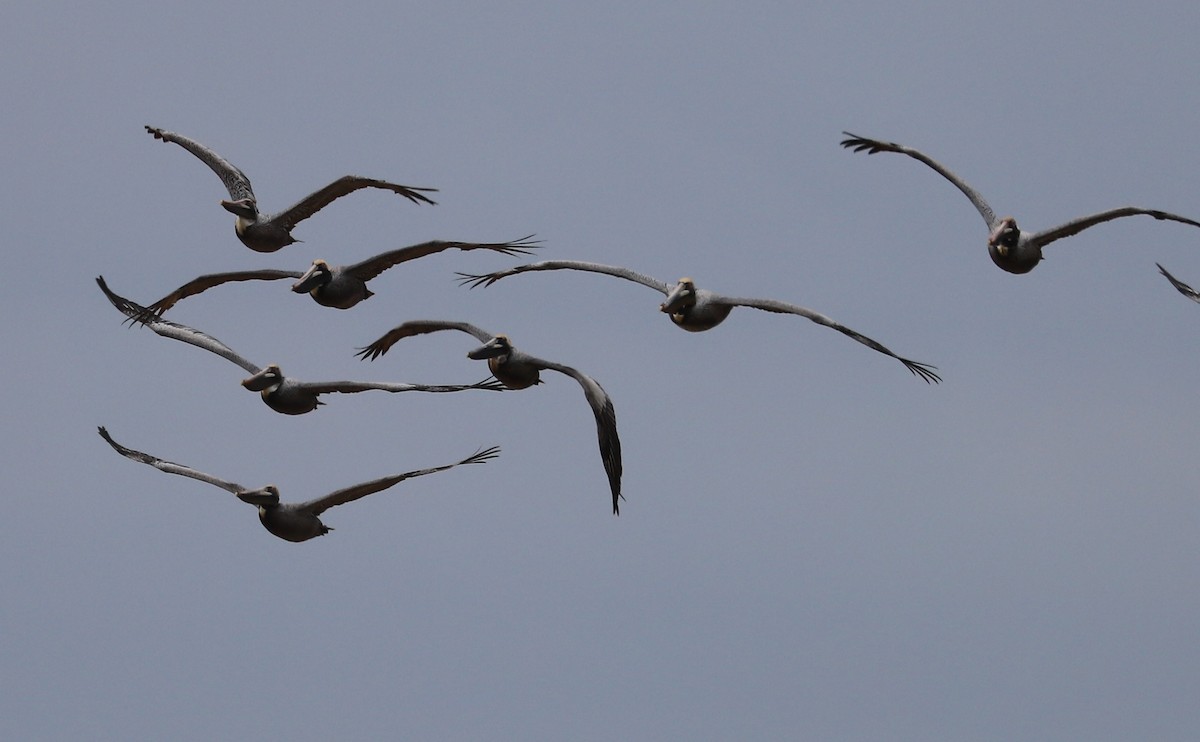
(269, 232)
(292, 521)
(516, 369)
(1012, 248)
(281, 393)
(340, 287)
(695, 309)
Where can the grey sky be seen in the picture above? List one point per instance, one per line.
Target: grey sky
(814, 545)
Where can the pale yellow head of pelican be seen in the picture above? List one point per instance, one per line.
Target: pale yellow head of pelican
(268, 495)
(1004, 237)
(315, 277)
(494, 348)
(681, 297)
(247, 208)
(269, 377)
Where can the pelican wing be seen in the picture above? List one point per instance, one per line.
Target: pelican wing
(371, 267)
(871, 146)
(314, 202)
(1180, 286)
(923, 370)
(487, 279)
(606, 424)
(234, 179)
(417, 327)
(166, 328)
(168, 466)
(1075, 226)
(203, 283)
(349, 387)
(349, 494)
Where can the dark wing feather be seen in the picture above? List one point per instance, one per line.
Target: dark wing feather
(417, 327)
(923, 370)
(349, 387)
(1075, 226)
(1180, 286)
(174, 330)
(606, 425)
(314, 202)
(203, 283)
(236, 182)
(872, 146)
(487, 279)
(371, 267)
(168, 466)
(349, 494)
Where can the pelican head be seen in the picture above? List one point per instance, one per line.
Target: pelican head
(247, 208)
(265, 380)
(1009, 251)
(495, 348)
(680, 298)
(263, 497)
(510, 368)
(1004, 237)
(317, 276)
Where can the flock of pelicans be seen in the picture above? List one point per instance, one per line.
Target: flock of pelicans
(693, 309)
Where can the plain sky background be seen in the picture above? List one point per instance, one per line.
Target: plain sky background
(815, 544)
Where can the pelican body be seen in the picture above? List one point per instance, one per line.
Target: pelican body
(283, 394)
(519, 370)
(291, 521)
(1011, 248)
(270, 232)
(695, 309)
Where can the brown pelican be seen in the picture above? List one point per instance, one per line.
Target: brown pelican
(1180, 286)
(344, 286)
(1013, 249)
(696, 310)
(281, 393)
(292, 521)
(340, 287)
(518, 370)
(269, 232)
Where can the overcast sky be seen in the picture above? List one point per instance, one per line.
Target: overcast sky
(814, 544)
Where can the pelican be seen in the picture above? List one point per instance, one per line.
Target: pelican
(1180, 286)
(281, 393)
(270, 232)
(1012, 248)
(340, 287)
(518, 370)
(697, 310)
(292, 521)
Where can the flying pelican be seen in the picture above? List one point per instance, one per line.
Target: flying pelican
(518, 370)
(1012, 248)
(696, 310)
(282, 394)
(340, 287)
(1180, 286)
(270, 232)
(292, 521)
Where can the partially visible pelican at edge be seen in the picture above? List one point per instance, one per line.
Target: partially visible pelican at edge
(694, 309)
(1010, 247)
(1180, 286)
(340, 287)
(281, 393)
(518, 370)
(269, 232)
(292, 521)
